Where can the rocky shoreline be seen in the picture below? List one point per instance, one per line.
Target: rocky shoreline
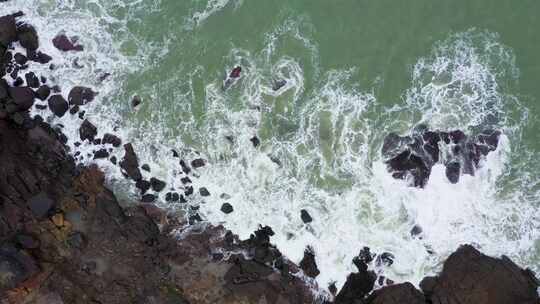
(65, 238)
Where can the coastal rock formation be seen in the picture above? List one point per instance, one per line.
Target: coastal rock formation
(412, 157)
(65, 237)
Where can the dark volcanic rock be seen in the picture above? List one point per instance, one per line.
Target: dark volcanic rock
(32, 80)
(469, 277)
(59, 107)
(148, 198)
(20, 59)
(412, 157)
(130, 163)
(204, 192)
(8, 30)
(308, 264)
(63, 43)
(43, 92)
(27, 36)
(255, 141)
(172, 197)
(143, 185)
(87, 131)
(135, 101)
(304, 215)
(227, 208)
(80, 96)
(23, 97)
(157, 185)
(101, 153)
(197, 163)
(111, 139)
(146, 167)
(397, 294)
(356, 287)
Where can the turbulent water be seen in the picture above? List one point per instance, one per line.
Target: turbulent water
(354, 71)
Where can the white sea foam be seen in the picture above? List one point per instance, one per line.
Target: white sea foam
(320, 149)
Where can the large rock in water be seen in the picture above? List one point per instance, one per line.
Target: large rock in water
(58, 105)
(130, 163)
(28, 37)
(63, 43)
(469, 277)
(23, 97)
(412, 157)
(80, 96)
(397, 294)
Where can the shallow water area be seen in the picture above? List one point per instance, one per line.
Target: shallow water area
(345, 84)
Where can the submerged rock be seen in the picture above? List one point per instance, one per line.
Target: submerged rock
(80, 96)
(63, 43)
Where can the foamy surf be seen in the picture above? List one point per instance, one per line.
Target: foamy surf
(320, 148)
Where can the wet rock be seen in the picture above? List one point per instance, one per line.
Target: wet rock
(111, 139)
(175, 153)
(185, 168)
(143, 185)
(63, 43)
(18, 82)
(469, 277)
(40, 204)
(27, 36)
(308, 264)
(193, 219)
(185, 180)
(59, 106)
(113, 160)
(279, 84)
(204, 192)
(255, 141)
(87, 131)
(304, 215)
(363, 259)
(8, 30)
(172, 197)
(80, 96)
(157, 185)
(20, 59)
(197, 163)
(146, 167)
(226, 208)
(74, 110)
(101, 153)
(453, 171)
(416, 230)
(385, 258)
(32, 80)
(148, 198)
(43, 92)
(356, 287)
(130, 163)
(188, 191)
(397, 294)
(39, 57)
(23, 97)
(235, 73)
(136, 101)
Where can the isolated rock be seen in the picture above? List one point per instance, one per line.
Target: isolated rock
(157, 185)
(136, 101)
(226, 208)
(306, 218)
(31, 80)
(111, 139)
(204, 192)
(59, 107)
(80, 96)
(356, 287)
(87, 131)
(63, 43)
(43, 92)
(197, 163)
